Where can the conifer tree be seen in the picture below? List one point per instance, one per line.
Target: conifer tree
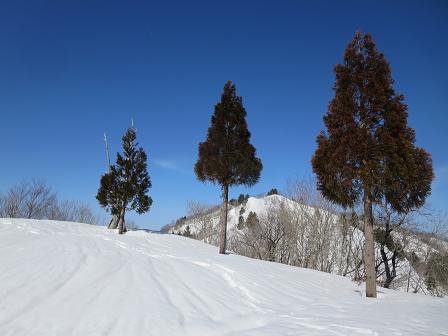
(126, 185)
(226, 157)
(241, 221)
(242, 199)
(187, 232)
(273, 191)
(252, 220)
(368, 153)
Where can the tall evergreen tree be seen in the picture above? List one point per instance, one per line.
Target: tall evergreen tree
(227, 157)
(368, 153)
(126, 185)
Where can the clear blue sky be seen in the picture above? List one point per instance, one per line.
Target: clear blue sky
(71, 69)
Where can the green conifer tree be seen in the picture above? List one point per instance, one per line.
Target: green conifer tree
(187, 232)
(241, 221)
(126, 186)
(252, 220)
(273, 191)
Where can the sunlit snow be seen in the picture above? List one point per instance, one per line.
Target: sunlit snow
(59, 278)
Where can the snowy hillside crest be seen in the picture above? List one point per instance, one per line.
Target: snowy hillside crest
(298, 234)
(61, 278)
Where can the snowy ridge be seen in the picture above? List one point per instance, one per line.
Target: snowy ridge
(407, 278)
(61, 278)
(260, 206)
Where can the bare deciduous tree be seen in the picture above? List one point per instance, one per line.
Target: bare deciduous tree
(29, 200)
(202, 216)
(301, 231)
(36, 200)
(167, 227)
(73, 211)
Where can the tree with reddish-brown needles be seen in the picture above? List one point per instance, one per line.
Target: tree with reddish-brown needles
(368, 152)
(227, 157)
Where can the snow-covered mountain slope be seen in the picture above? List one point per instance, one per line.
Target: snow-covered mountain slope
(60, 278)
(312, 237)
(261, 206)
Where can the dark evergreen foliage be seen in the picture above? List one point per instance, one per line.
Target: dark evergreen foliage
(241, 222)
(273, 191)
(368, 146)
(390, 257)
(227, 157)
(368, 152)
(233, 202)
(126, 186)
(242, 199)
(242, 211)
(187, 232)
(252, 220)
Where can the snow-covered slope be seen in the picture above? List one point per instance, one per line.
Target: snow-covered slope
(61, 278)
(261, 206)
(320, 233)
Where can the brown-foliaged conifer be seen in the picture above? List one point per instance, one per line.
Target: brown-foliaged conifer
(227, 157)
(368, 152)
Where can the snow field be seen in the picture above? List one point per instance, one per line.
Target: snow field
(60, 278)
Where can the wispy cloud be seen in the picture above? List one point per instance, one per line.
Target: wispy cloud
(170, 165)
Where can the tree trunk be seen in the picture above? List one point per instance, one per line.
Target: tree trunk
(390, 274)
(409, 278)
(369, 248)
(389, 279)
(121, 225)
(113, 224)
(223, 233)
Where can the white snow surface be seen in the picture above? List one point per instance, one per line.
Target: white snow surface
(261, 206)
(60, 278)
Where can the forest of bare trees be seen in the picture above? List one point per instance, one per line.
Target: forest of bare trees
(36, 200)
(306, 230)
(303, 231)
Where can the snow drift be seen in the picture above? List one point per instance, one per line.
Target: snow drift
(60, 278)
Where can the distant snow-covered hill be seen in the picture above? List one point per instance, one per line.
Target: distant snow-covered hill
(311, 237)
(61, 278)
(261, 206)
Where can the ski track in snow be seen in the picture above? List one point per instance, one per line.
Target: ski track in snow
(62, 278)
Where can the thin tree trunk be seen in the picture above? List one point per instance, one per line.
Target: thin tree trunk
(409, 278)
(223, 233)
(390, 274)
(121, 225)
(369, 248)
(113, 224)
(394, 267)
(389, 279)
